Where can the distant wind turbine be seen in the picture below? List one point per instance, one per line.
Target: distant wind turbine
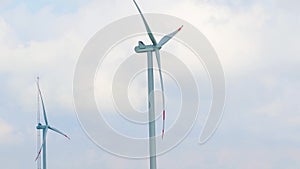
(44, 128)
(155, 47)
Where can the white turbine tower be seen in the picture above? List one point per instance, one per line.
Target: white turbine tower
(149, 49)
(44, 129)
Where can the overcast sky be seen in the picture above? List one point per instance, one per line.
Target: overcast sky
(256, 44)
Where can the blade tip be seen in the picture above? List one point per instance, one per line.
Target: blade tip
(179, 29)
(68, 137)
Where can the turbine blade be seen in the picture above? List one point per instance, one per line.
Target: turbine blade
(40, 150)
(39, 153)
(168, 37)
(162, 89)
(56, 130)
(43, 105)
(146, 25)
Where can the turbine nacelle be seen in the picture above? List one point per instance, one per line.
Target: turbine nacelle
(141, 48)
(40, 126)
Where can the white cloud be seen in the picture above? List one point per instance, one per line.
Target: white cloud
(63, 37)
(8, 135)
(259, 37)
(235, 34)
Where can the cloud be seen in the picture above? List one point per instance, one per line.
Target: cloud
(256, 42)
(235, 34)
(8, 135)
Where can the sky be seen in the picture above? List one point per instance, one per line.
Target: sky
(255, 42)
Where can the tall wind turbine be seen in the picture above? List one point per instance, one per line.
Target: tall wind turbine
(44, 128)
(155, 47)
(38, 132)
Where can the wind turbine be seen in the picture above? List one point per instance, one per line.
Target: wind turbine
(44, 128)
(38, 133)
(155, 47)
